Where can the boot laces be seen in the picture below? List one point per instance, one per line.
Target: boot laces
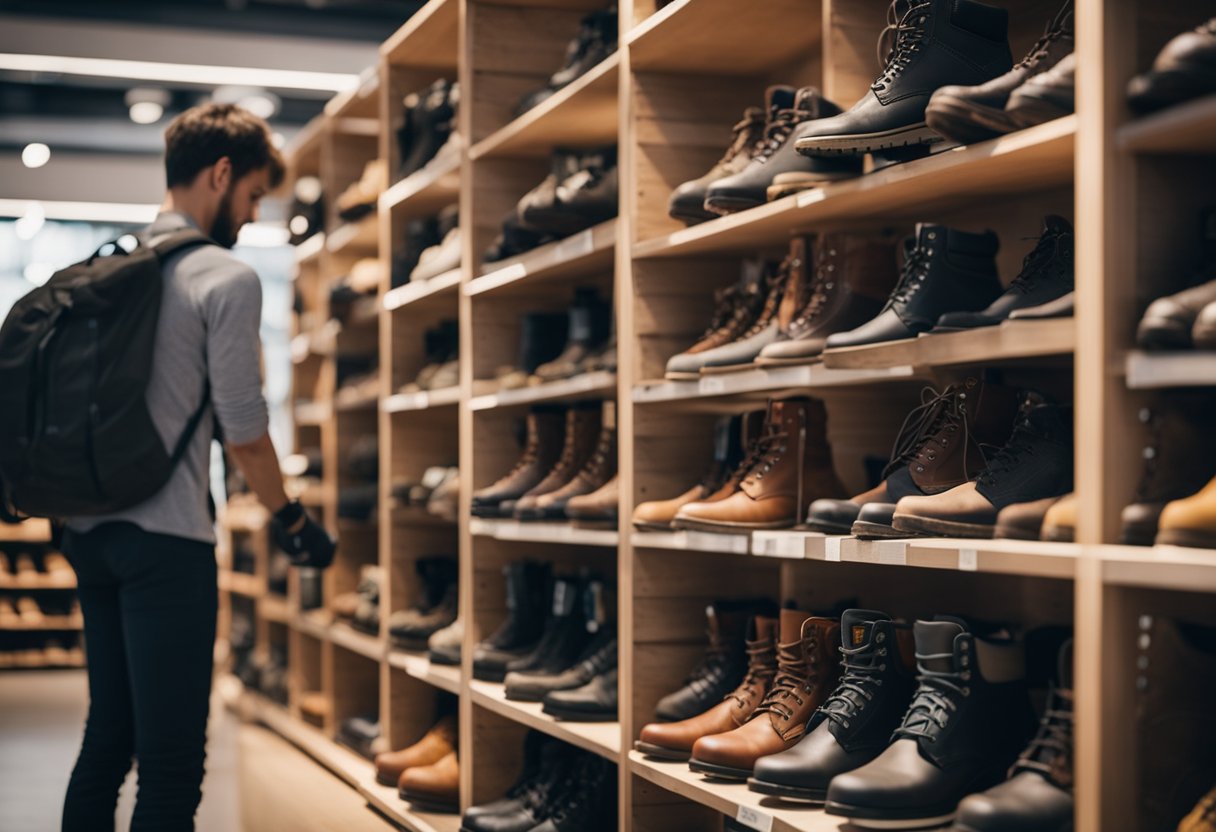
(906, 33)
(717, 656)
(936, 698)
(599, 458)
(1059, 27)
(776, 133)
(820, 292)
(792, 680)
(1052, 742)
(745, 136)
(732, 305)
(939, 416)
(1149, 475)
(916, 268)
(773, 285)
(1039, 261)
(1010, 457)
(760, 671)
(767, 451)
(863, 668)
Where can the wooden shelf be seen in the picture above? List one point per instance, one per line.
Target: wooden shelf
(1149, 370)
(417, 293)
(1010, 341)
(362, 237)
(581, 255)
(345, 402)
(311, 249)
(693, 541)
(761, 382)
(1160, 567)
(582, 114)
(733, 799)
(1035, 159)
(41, 584)
(602, 738)
(427, 399)
(586, 386)
(346, 636)
(1186, 128)
(314, 623)
(360, 101)
(430, 38)
(692, 36)
(420, 667)
(542, 532)
(35, 530)
(313, 413)
(49, 623)
(274, 608)
(425, 192)
(1031, 558)
(241, 583)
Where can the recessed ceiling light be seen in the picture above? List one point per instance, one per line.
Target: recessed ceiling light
(146, 112)
(261, 104)
(35, 155)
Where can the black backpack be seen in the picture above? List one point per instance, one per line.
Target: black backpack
(76, 437)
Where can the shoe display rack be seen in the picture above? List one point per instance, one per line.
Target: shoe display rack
(40, 622)
(684, 70)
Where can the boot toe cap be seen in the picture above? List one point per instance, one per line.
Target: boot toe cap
(836, 512)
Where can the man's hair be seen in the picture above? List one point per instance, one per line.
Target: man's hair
(201, 136)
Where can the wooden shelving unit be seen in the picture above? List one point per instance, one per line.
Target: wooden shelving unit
(667, 98)
(19, 638)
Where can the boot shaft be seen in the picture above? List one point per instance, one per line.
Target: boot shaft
(1179, 447)
(945, 270)
(792, 454)
(797, 283)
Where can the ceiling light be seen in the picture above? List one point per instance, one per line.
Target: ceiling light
(110, 212)
(262, 104)
(38, 273)
(30, 223)
(35, 155)
(308, 189)
(298, 225)
(146, 104)
(278, 140)
(146, 112)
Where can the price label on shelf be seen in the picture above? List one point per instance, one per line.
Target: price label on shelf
(831, 548)
(968, 560)
(712, 385)
(754, 819)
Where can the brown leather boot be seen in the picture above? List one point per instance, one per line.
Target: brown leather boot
(790, 463)
(735, 310)
(741, 353)
(581, 436)
(807, 672)
(1060, 521)
(546, 432)
(853, 275)
(600, 506)
(938, 448)
(435, 787)
(433, 747)
(1023, 521)
(674, 740)
(1203, 817)
(1190, 521)
(597, 470)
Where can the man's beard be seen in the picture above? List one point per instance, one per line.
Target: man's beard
(224, 229)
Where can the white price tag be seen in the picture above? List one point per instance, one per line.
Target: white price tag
(968, 560)
(712, 385)
(831, 549)
(754, 819)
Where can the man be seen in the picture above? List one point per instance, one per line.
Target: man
(147, 575)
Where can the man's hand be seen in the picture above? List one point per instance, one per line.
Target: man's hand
(304, 541)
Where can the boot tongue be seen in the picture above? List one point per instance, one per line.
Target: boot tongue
(791, 626)
(857, 627)
(762, 629)
(938, 636)
(779, 98)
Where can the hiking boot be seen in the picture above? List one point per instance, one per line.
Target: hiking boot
(527, 590)
(433, 788)
(429, 125)
(523, 806)
(412, 631)
(544, 446)
(945, 270)
(434, 745)
(598, 656)
(969, 718)
(973, 114)
(934, 43)
(775, 155)
(1184, 69)
(687, 201)
(1046, 275)
(807, 672)
(1190, 521)
(656, 515)
(1047, 96)
(735, 309)
(854, 725)
(583, 438)
(1036, 462)
(586, 801)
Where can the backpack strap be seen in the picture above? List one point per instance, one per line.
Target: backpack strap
(196, 417)
(172, 242)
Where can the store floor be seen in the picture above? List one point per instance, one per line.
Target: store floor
(256, 782)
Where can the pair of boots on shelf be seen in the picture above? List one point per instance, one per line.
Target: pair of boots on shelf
(557, 645)
(437, 492)
(580, 191)
(595, 41)
(24, 570)
(561, 789)
(434, 610)
(567, 470)
(36, 651)
(430, 246)
(428, 133)
(361, 607)
(427, 773)
(842, 289)
(559, 345)
(442, 368)
(868, 737)
(359, 199)
(1181, 72)
(1187, 320)
(307, 211)
(359, 493)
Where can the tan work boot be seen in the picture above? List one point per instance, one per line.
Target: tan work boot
(1023, 521)
(435, 744)
(1190, 521)
(435, 787)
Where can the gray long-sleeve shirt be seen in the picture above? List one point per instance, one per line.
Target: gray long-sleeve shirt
(208, 330)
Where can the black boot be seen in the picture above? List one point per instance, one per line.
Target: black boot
(546, 764)
(566, 632)
(587, 802)
(590, 321)
(854, 725)
(595, 41)
(595, 701)
(936, 42)
(584, 193)
(527, 593)
(598, 656)
(429, 125)
(967, 722)
(945, 270)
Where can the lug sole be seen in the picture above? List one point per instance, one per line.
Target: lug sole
(1186, 537)
(574, 715)
(966, 121)
(652, 527)
(720, 772)
(440, 659)
(428, 803)
(726, 205)
(934, 526)
(691, 219)
(865, 530)
(525, 695)
(827, 527)
(857, 143)
(795, 794)
(878, 819)
(659, 752)
(727, 527)
(1138, 535)
(489, 675)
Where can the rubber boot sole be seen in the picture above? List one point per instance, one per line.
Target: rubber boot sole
(944, 528)
(964, 121)
(1186, 537)
(661, 753)
(795, 794)
(878, 819)
(574, 715)
(857, 143)
(720, 772)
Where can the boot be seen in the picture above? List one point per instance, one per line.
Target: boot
(724, 665)
(434, 788)
(1046, 275)
(854, 274)
(854, 725)
(542, 337)
(436, 744)
(523, 807)
(410, 631)
(807, 672)
(543, 449)
(584, 193)
(775, 155)
(1190, 521)
(443, 647)
(687, 201)
(599, 506)
(927, 457)
(1060, 521)
(598, 656)
(566, 633)
(967, 722)
(582, 437)
(1045, 97)
(742, 351)
(1023, 521)
(595, 41)
(1037, 797)
(936, 43)
(527, 595)
(359, 198)
(586, 802)
(440, 258)
(674, 740)
(656, 515)
(1036, 462)
(790, 463)
(945, 270)
(1169, 322)
(596, 701)
(420, 235)
(735, 309)
(1184, 69)
(590, 320)
(973, 114)
(429, 126)
(1174, 724)
(1203, 817)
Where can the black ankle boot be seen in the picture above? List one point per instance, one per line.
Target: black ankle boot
(527, 594)
(590, 321)
(428, 126)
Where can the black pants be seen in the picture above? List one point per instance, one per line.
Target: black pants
(149, 603)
